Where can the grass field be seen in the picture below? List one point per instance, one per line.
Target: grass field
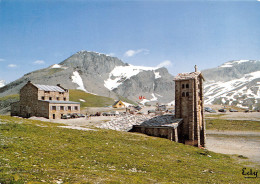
(235, 125)
(35, 151)
(91, 100)
(10, 97)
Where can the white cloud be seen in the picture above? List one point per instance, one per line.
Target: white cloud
(1, 59)
(165, 63)
(111, 54)
(12, 66)
(39, 62)
(131, 53)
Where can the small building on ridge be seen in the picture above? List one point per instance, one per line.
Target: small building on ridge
(119, 104)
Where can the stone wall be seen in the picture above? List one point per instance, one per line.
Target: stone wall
(28, 100)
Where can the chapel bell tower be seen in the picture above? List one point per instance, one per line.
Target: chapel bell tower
(189, 105)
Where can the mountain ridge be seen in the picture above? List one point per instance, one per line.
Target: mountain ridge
(89, 72)
(234, 82)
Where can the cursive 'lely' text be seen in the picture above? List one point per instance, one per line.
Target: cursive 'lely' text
(249, 173)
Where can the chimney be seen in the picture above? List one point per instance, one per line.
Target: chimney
(58, 85)
(195, 68)
(29, 82)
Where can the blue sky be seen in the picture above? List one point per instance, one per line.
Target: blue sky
(175, 34)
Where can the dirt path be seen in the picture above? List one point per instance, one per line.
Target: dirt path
(235, 142)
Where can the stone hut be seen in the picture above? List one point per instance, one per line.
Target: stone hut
(118, 104)
(165, 126)
(51, 102)
(189, 105)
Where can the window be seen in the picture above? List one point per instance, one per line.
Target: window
(187, 85)
(53, 108)
(183, 86)
(62, 108)
(187, 93)
(183, 94)
(64, 98)
(50, 98)
(76, 108)
(58, 98)
(42, 97)
(69, 108)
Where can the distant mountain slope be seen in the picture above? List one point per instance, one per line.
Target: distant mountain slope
(234, 83)
(103, 75)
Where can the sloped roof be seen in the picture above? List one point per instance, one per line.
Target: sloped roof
(186, 76)
(165, 121)
(117, 102)
(49, 88)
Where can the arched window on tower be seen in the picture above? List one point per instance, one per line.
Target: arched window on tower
(183, 86)
(183, 94)
(187, 93)
(187, 86)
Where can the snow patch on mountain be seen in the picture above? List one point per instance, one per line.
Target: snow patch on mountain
(121, 73)
(2, 83)
(84, 53)
(232, 63)
(127, 104)
(78, 80)
(154, 97)
(171, 103)
(157, 75)
(55, 66)
(58, 66)
(233, 89)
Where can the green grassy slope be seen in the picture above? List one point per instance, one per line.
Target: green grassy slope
(35, 151)
(10, 97)
(91, 100)
(6, 101)
(234, 125)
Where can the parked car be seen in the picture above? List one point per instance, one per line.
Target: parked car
(233, 110)
(140, 113)
(151, 111)
(114, 113)
(65, 116)
(161, 108)
(248, 111)
(212, 111)
(222, 110)
(171, 111)
(74, 115)
(208, 109)
(81, 115)
(105, 114)
(138, 108)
